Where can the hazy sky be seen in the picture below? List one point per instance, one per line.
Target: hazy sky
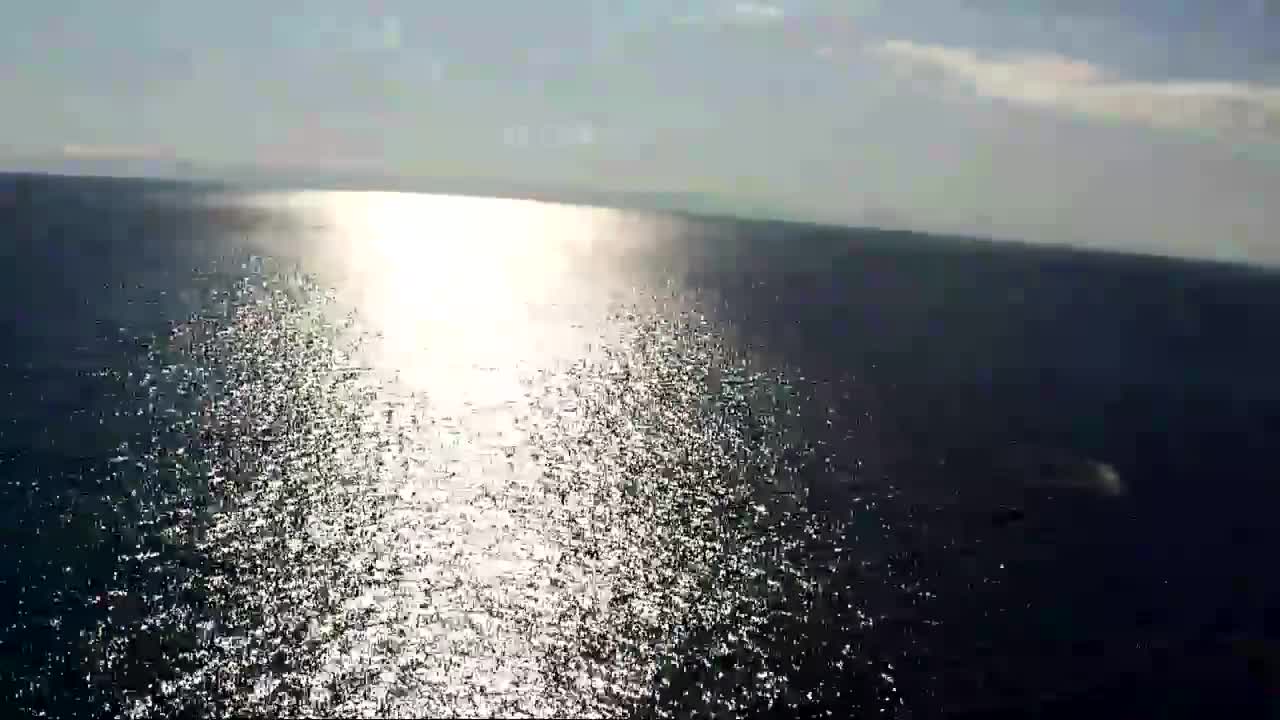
(1146, 124)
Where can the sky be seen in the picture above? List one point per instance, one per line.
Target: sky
(1147, 125)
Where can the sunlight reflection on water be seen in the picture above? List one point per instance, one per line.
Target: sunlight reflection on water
(462, 457)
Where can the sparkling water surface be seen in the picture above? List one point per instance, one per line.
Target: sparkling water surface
(393, 455)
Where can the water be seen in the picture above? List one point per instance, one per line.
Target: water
(364, 454)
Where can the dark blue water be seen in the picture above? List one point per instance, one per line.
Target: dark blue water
(378, 455)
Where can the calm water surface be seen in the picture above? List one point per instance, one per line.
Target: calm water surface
(371, 454)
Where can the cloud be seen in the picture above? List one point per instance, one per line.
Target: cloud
(1058, 82)
(689, 20)
(385, 35)
(116, 152)
(740, 14)
(753, 12)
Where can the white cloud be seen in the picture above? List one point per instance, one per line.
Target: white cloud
(1078, 86)
(385, 35)
(743, 13)
(391, 32)
(758, 12)
(116, 152)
